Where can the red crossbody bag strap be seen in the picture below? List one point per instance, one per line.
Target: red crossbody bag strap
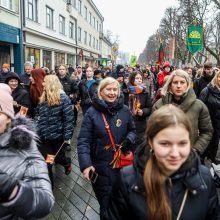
(108, 131)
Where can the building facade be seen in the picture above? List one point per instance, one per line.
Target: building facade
(61, 32)
(11, 35)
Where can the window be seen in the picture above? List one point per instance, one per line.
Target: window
(49, 17)
(72, 30)
(93, 42)
(80, 6)
(93, 21)
(33, 55)
(32, 9)
(85, 37)
(59, 58)
(12, 5)
(79, 34)
(85, 11)
(90, 17)
(62, 25)
(90, 40)
(100, 27)
(97, 25)
(74, 3)
(47, 59)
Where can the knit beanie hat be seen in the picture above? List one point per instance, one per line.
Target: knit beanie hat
(6, 100)
(6, 65)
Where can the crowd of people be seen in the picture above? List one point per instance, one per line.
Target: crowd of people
(168, 118)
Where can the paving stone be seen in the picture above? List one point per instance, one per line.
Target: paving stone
(94, 203)
(82, 193)
(78, 202)
(64, 216)
(91, 214)
(59, 197)
(72, 211)
(85, 184)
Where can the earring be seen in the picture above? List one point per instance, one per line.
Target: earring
(152, 151)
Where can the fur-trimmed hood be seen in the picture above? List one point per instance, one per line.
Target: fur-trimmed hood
(20, 135)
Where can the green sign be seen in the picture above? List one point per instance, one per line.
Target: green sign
(104, 61)
(195, 39)
(133, 60)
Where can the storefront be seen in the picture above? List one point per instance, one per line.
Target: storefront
(33, 55)
(11, 47)
(47, 59)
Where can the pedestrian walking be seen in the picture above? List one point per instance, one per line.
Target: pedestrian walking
(54, 117)
(25, 188)
(95, 151)
(167, 180)
(177, 91)
(211, 97)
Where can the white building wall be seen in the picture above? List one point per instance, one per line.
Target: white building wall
(40, 36)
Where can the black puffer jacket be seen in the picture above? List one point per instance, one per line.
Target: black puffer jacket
(128, 197)
(21, 159)
(85, 94)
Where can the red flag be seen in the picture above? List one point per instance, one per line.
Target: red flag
(161, 53)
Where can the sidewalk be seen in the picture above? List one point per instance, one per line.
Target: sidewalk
(74, 197)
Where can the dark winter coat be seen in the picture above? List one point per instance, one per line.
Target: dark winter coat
(86, 95)
(21, 96)
(146, 107)
(201, 83)
(21, 159)
(211, 97)
(93, 138)
(128, 196)
(55, 122)
(197, 114)
(69, 85)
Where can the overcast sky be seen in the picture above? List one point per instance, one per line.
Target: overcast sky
(133, 21)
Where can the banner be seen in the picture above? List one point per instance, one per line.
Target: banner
(171, 48)
(133, 60)
(161, 53)
(104, 61)
(195, 39)
(114, 51)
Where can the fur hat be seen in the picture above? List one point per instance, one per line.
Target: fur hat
(6, 100)
(6, 65)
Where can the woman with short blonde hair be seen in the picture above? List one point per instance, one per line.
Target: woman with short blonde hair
(95, 151)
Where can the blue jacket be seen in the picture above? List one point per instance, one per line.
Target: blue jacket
(55, 122)
(93, 136)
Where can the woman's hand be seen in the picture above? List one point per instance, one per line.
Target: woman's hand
(86, 172)
(140, 112)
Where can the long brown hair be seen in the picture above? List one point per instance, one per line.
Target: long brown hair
(159, 207)
(36, 89)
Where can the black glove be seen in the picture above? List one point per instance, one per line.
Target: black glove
(7, 184)
(126, 146)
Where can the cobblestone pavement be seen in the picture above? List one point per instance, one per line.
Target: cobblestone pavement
(74, 197)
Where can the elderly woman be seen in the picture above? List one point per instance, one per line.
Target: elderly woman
(25, 188)
(211, 97)
(95, 152)
(177, 91)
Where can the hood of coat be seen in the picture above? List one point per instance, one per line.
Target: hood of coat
(184, 103)
(189, 172)
(20, 135)
(214, 90)
(110, 108)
